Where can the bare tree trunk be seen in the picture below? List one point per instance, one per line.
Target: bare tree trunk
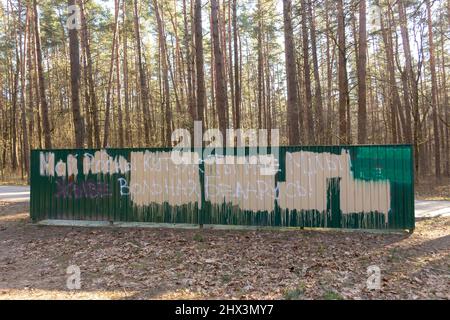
(410, 88)
(446, 104)
(92, 94)
(220, 84)
(292, 90)
(30, 58)
(13, 118)
(3, 131)
(213, 117)
(128, 132)
(199, 61)
(36, 87)
(362, 61)
(434, 94)
(43, 100)
(23, 63)
(187, 46)
(230, 66)
(261, 90)
(237, 80)
(74, 46)
(138, 115)
(87, 97)
(165, 73)
(342, 74)
(329, 131)
(142, 77)
(318, 88)
(307, 76)
(269, 83)
(394, 97)
(19, 75)
(119, 88)
(223, 43)
(110, 77)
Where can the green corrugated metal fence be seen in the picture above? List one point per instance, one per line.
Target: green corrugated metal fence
(369, 187)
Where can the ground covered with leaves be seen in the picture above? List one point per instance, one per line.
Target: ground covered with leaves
(119, 263)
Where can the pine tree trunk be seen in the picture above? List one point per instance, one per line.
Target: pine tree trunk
(42, 94)
(187, 47)
(394, 97)
(260, 66)
(30, 58)
(292, 90)
(307, 76)
(329, 128)
(142, 77)
(74, 47)
(318, 88)
(220, 84)
(434, 94)
(128, 131)
(22, 64)
(342, 75)
(230, 66)
(237, 80)
(92, 94)
(106, 132)
(362, 61)
(165, 74)
(199, 62)
(446, 106)
(119, 90)
(410, 85)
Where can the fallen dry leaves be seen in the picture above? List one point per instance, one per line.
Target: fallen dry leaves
(118, 263)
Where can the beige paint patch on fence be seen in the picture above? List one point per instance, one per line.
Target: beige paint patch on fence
(239, 181)
(102, 162)
(305, 188)
(306, 184)
(72, 166)
(155, 178)
(47, 164)
(48, 168)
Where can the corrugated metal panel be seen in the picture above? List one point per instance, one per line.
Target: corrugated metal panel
(325, 186)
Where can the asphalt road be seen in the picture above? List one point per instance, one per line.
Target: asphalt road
(14, 194)
(424, 209)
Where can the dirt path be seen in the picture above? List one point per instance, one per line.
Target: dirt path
(171, 264)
